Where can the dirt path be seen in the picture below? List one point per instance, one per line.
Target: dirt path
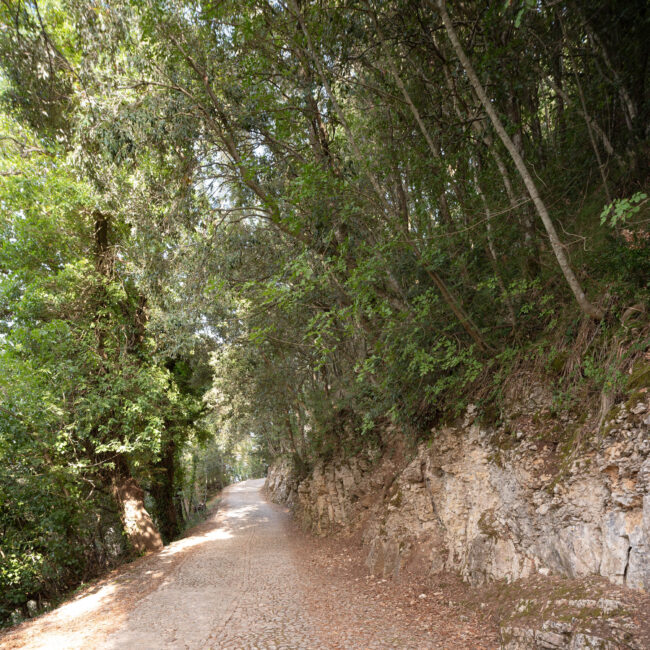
(238, 581)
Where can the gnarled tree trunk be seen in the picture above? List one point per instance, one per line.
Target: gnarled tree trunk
(138, 525)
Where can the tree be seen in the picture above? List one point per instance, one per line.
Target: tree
(556, 244)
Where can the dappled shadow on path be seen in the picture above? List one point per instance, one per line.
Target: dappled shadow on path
(87, 619)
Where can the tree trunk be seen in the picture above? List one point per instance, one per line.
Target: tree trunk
(558, 248)
(162, 491)
(138, 525)
(583, 103)
(294, 447)
(453, 303)
(493, 255)
(530, 240)
(630, 110)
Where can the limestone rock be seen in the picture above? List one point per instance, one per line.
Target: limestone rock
(464, 503)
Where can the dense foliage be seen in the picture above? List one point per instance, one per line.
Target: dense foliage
(237, 230)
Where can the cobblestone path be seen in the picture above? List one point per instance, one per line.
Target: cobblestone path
(237, 581)
(236, 590)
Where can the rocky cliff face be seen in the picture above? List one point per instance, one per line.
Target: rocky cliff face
(496, 504)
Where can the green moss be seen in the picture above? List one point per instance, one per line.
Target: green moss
(569, 442)
(570, 591)
(397, 499)
(634, 398)
(640, 377)
(506, 637)
(610, 421)
(558, 362)
(542, 417)
(525, 608)
(496, 457)
(490, 413)
(504, 440)
(487, 524)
